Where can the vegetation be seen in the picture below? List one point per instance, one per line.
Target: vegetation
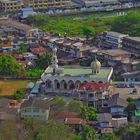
(75, 106)
(59, 103)
(35, 72)
(9, 66)
(19, 94)
(87, 26)
(22, 48)
(89, 113)
(44, 60)
(128, 24)
(129, 132)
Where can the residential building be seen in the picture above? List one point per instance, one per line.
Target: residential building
(111, 40)
(76, 123)
(35, 108)
(90, 3)
(105, 120)
(132, 44)
(117, 106)
(94, 94)
(9, 5)
(120, 60)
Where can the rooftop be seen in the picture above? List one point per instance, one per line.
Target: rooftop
(76, 71)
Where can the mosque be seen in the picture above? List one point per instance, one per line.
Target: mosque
(69, 78)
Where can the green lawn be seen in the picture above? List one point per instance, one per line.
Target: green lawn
(35, 72)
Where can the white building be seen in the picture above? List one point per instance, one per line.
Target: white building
(67, 79)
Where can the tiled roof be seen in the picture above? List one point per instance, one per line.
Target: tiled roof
(74, 121)
(63, 115)
(117, 101)
(104, 117)
(92, 86)
(39, 103)
(38, 50)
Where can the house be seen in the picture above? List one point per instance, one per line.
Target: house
(132, 44)
(35, 108)
(136, 113)
(75, 123)
(38, 50)
(111, 40)
(61, 116)
(119, 59)
(117, 106)
(93, 93)
(105, 120)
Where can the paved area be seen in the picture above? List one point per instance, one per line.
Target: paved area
(126, 92)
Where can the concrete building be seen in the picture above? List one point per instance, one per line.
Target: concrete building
(89, 3)
(132, 44)
(111, 40)
(9, 5)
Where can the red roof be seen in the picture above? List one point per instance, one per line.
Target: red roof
(38, 50)
(92, 86)
(63, 115)
(18, 56)
(74, 121)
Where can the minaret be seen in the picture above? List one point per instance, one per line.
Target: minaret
(54, 61)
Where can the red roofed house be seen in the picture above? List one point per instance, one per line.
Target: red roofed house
(75, 123)
(93, 93)
(61, 116)
(38, 50)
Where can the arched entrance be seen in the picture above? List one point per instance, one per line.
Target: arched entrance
(71, 85)
(77, 84)
(48, 84)
(63, 84)
(57, 84)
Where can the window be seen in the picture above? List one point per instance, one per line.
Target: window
(35, 110)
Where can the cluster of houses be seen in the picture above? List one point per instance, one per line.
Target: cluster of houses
(109, 117)
(121, 52)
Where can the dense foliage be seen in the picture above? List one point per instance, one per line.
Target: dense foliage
(44, 60)
(19, 94)
(9, 66)
(128, 24)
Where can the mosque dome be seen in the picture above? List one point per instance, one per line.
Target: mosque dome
(95, 66)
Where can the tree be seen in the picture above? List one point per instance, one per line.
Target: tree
(22, 48)
(55, 131)
(89, 113)
(89, 133)
(9, 66)
(59, 103)
(110, 136)
(88, 31)
(75, 106)
(19, 94)
(130, 24)
(44, 60)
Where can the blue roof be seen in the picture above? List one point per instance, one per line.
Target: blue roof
(26, 9)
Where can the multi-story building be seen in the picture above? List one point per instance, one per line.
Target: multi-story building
(14, 5)
(111, 40)
(9, 5)
(132, 44)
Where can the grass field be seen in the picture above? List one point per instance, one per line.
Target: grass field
(72, 25)
(8, 87)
